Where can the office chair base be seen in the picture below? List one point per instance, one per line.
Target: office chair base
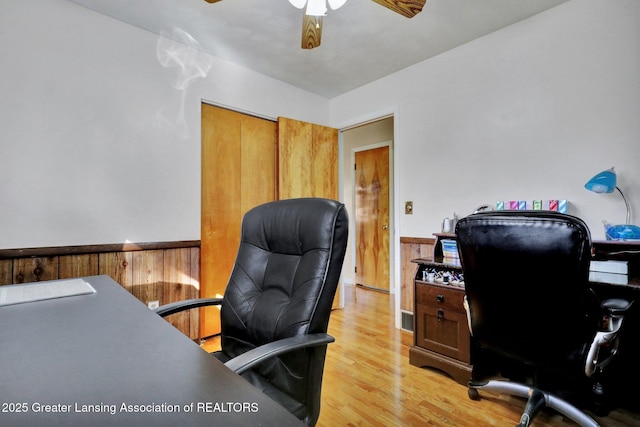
(536, 400)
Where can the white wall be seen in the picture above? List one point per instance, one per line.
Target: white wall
(97, 145)
(528, 112)
(92, 149)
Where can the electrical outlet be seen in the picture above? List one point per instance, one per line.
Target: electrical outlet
(408, 208)
(153, 304)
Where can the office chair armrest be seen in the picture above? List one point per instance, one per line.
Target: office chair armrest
(249, 359)
(616, 306)
(607, 336)
(178, 306)
(467, 310)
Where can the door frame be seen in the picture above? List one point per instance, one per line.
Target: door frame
(391, 231)
(385, 112)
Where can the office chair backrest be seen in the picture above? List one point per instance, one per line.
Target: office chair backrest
(526, 281)
(283, 285)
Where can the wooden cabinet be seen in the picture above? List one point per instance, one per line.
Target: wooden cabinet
(441, 333)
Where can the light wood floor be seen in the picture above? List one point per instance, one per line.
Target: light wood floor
(368, 380)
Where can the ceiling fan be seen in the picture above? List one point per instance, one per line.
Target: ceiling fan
(314, 10)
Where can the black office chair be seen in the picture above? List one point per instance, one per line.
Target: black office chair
(276, 307)
(532, 315)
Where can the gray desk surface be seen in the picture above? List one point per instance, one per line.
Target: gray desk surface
(109, 354)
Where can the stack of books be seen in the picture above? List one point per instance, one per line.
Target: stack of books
(616, 272)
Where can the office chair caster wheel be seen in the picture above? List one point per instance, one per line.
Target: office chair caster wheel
(473, 394)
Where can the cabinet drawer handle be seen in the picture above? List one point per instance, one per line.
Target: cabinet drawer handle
(440, 298)
(440, 315)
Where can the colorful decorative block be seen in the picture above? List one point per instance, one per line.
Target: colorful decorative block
(563, 206)
(560, 205)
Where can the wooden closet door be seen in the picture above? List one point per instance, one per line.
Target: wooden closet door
(238, 173)
(308, 160)
(307, 163)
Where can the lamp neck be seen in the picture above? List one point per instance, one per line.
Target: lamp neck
(627, 204)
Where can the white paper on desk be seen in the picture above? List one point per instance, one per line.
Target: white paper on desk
(18, 294)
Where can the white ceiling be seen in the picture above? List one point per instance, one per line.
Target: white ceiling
(361, 42)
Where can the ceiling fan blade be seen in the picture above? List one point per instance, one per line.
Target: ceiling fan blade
(407, 8)
(212, 1)
(311, 31)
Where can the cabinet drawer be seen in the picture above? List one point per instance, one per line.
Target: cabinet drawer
(444, 332)
(435, 296)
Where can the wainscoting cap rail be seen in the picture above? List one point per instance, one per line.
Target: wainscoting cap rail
(92, 249)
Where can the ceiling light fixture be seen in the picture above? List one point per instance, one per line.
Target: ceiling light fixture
(313, 12)
(317, 7)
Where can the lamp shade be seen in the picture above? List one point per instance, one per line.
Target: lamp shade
(604, 182)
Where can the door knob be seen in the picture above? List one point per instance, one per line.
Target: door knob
(385, 227)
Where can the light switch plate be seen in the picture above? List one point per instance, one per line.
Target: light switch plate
(408, 208)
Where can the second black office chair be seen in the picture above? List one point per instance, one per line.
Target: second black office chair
(531, 311)
(276, 306)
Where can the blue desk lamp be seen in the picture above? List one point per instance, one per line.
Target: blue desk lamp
(605, 182)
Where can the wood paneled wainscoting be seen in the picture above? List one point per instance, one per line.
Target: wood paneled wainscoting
(411, 248)
(163, 272)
